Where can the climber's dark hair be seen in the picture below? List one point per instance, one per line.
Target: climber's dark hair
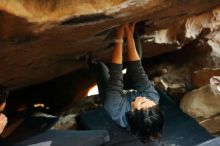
(147, 124)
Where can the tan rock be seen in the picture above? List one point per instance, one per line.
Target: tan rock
(211, 124)
(65, 122)
(202, 102)
(42, 40)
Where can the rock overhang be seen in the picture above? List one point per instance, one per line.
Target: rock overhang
(42, 40)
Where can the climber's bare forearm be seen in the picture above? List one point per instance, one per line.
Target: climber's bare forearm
(132, 52)
(117, 54)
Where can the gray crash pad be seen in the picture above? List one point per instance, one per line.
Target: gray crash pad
(179, 128)
(68, 138)
(212, 142)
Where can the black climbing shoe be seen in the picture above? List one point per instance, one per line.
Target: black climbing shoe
(91, 59)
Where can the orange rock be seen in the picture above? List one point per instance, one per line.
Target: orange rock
(202, 77)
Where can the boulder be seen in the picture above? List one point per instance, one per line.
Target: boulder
(203, 102)
(42, 40)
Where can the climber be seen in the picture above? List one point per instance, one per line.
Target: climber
(3, 119)
(138, 109)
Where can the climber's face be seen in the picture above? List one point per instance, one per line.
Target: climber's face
(142, 103)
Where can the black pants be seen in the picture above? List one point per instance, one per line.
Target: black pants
(101, 72)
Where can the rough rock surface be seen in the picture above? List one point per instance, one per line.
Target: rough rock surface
(202, 77)
(41, 40)
(65, 122)
(211, 124)
(203, 102)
